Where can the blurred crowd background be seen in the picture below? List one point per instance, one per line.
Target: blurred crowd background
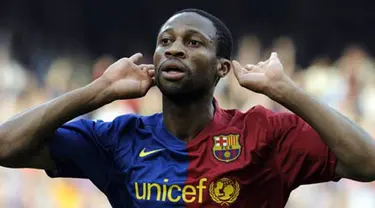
(48, 48)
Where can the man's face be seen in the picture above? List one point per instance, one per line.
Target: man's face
(185, 55)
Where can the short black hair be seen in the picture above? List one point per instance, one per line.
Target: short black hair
(224, 36)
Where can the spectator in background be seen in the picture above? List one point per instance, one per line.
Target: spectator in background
(347, 84)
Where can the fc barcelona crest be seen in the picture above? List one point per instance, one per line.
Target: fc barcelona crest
(226, 147)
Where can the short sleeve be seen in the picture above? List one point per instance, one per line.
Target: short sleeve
(83, 149)
(300, 154)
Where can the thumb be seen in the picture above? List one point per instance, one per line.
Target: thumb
(273, 55)
(136, 58)
(237, 69)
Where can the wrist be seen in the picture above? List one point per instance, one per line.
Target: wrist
(101, 93)
(282, 91)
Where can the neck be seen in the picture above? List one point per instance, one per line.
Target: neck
(185, 119)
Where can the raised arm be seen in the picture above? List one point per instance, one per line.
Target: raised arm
(23, 137)
(352, 146)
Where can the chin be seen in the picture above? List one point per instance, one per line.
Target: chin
(171, 89)
(181, 94)
(185, 90)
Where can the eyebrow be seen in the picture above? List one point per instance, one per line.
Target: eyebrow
(189, 31)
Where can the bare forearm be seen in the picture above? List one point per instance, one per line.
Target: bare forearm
(354, 148)
(28, 130)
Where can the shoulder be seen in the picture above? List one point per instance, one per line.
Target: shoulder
(105, 131)
(125, 123)
(260, 122)
(257, 115)
(270, 119)
(254, 123)
(276, 125)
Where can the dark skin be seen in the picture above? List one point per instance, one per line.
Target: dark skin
(194, 37)
(189, 40)
(187, 103)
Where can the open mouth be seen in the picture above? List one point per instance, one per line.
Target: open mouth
(173, 70)
(173, 65)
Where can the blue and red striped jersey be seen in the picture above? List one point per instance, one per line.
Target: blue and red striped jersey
(252, 159)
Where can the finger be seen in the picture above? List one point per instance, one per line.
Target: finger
(249, 67)
(146, 66)
(273, 55)
(153, 83)
(151, 72)
(136, 58)
(149, 66)
(237, 68)
(274, 58)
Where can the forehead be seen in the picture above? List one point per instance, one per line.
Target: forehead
(188, 21)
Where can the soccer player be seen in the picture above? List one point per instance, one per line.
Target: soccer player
(194, 153)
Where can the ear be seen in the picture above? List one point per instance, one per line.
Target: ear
(223, 67)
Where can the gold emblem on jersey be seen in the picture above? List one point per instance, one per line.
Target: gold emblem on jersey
(226, 148)
(224, 191)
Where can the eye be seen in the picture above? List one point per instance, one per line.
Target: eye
(165, 41)
(194, 43)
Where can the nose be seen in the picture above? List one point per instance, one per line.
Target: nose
(175, 50)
